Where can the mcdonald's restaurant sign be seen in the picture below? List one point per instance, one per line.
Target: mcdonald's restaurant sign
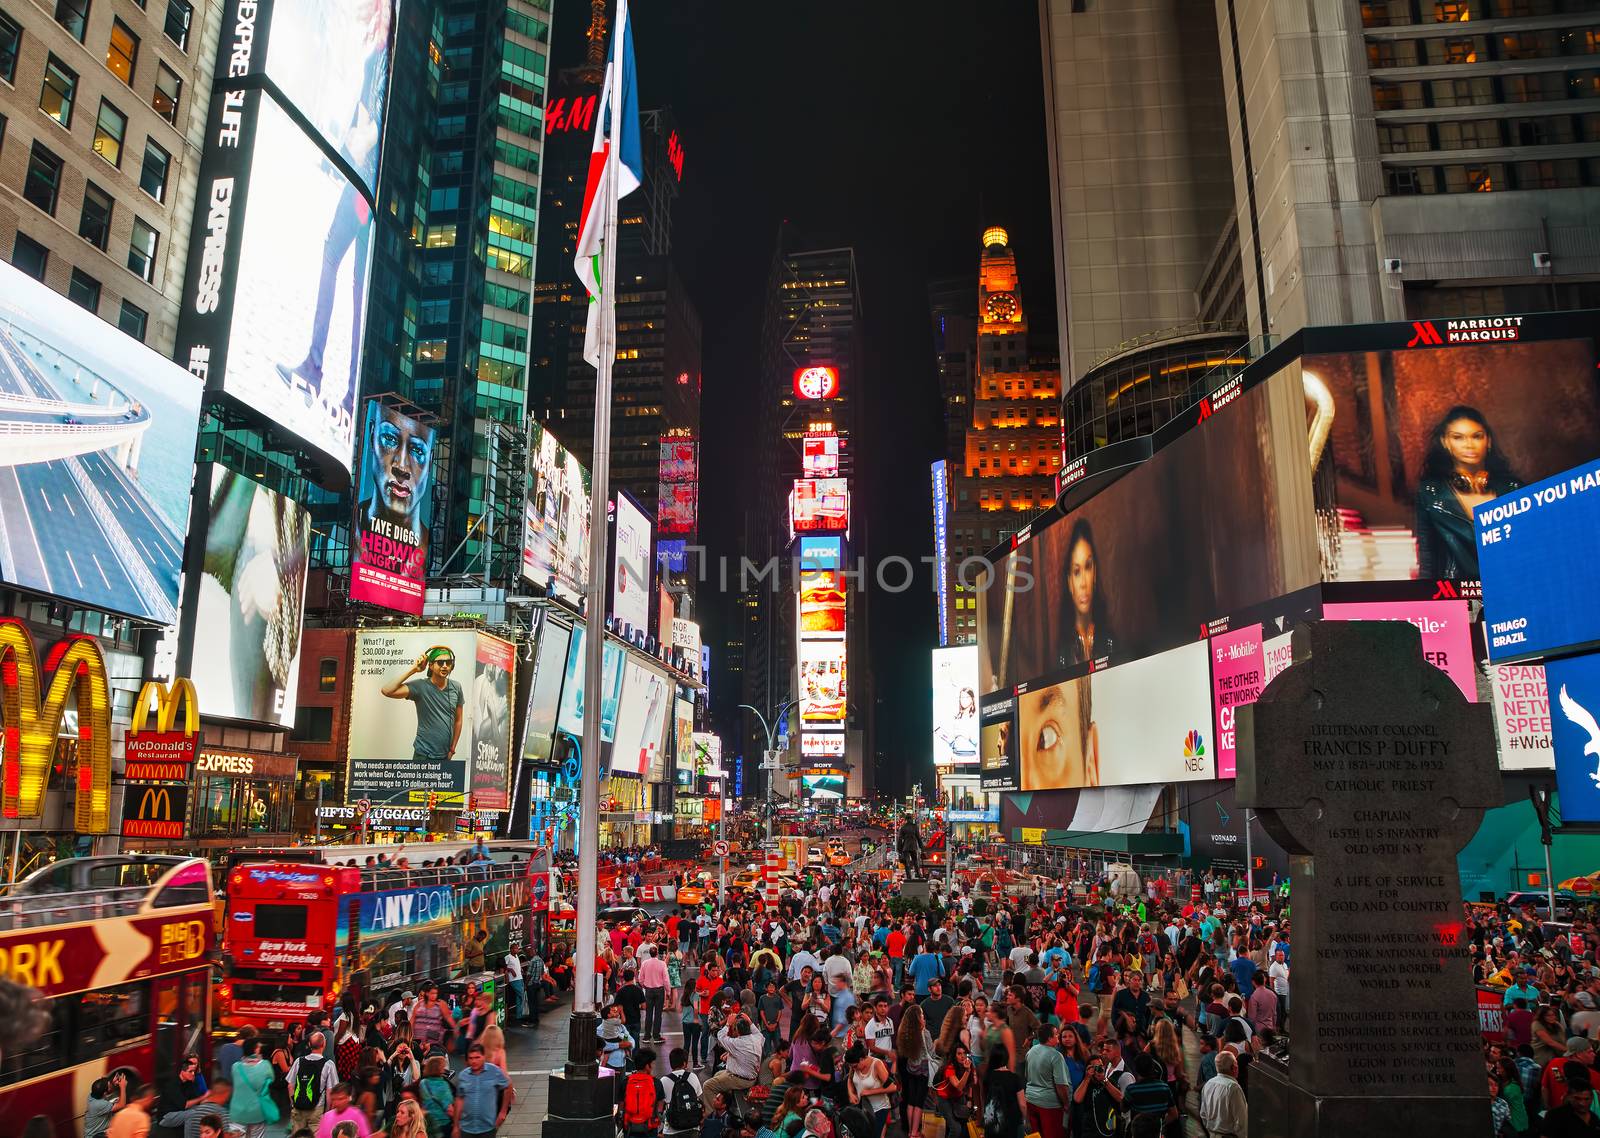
(152, 753)
(153, 811)
(33, 698)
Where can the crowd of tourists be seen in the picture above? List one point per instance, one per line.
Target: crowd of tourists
(845, 1009)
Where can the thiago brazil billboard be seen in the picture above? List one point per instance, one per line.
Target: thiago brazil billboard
(275, 294)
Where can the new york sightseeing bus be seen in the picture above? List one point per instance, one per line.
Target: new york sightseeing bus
(298, 935)
(121, 948)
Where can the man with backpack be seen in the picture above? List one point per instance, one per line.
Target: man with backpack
(680, 1090)
(640, 1101)
(311, 1079)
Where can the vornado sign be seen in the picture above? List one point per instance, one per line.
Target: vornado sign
(32, 706)
(151, 811)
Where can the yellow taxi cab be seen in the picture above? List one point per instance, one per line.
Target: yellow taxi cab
(837, 857)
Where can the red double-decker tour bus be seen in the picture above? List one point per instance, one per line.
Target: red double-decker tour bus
(300, 934)
(121, 949)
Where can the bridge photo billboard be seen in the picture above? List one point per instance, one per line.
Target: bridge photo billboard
(97, 437)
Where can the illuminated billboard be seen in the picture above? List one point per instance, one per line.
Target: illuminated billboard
(680, 461)
(1218, 522)
(819, 456)
(683, 734)
(820, 505)
(1416, 439)
(430, 711)
(955, 706)
(544, 695)
(631, 566)
(570, 717)
(812, 383)
(555, 529)
(822, 599)
(678, 507)
(643, 714)
(331, 61)
(249, 599)
(941, 548)
(822, 744)
(1103, 728)
(823, 787)
(394, 506)
(823, 690)
(98, 460)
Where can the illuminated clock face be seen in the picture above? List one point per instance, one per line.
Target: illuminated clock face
(1001, 306)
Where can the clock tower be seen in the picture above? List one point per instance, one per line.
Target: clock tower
(1002, 327)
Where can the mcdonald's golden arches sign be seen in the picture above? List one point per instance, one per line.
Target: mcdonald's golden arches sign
(154, 811)
(160, 703)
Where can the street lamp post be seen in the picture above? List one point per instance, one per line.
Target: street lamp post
(770, 754)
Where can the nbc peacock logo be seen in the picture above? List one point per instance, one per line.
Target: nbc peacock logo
(1194, 752)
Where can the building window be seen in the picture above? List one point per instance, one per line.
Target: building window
(109, 131)
(122, 52)
(153, 173)
(84, 289)
(1475, 179)
(42, 184)
(94, 224)
(133, 320)
(165, 97)
(60, 87)
(30, 256)
(440, 237)
(74, 16)
(142, 250)
(10, 45)
(328, 675)
(1472, 135)
(180, 14)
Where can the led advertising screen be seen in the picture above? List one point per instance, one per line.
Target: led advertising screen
(394, 506)
(96, 470)
(631, 576)
(680, 460)
(1446, 631)
(1575, 721)
(708, 750)
(1522, 712)
(549, 668)
(1217, 522)
(820, 505)
(1103, 729)
(330, 58)
(822, 744)
(672, 555)
(955, 706)
(642, 717)
(822, 601)
(683, 734)
(570, 718)
(941, 548)
(1408, 442)
(555, 529)
(299, 300)
(678, 506)
(997, 742)
(819, 456)
(823, 787)
(823, 692)
(1538, 548)
(429, 711)
(249, 600)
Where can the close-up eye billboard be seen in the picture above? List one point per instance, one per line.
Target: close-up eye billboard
(95, 476)
(394, 497)
(1217, 522)
(429, 710)
(1408, 443)
(249, 599)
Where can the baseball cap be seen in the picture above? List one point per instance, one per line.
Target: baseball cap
(1583, 998)
(1578, 1044)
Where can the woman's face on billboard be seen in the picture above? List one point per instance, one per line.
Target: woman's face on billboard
(1052, 742)
(1080, 578)
(1467, 442)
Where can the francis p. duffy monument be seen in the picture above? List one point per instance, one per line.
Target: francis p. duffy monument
(1372, 770)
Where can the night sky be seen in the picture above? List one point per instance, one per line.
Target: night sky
(903, 130)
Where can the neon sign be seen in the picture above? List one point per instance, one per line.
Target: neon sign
(675, 154)
(164, 744)
(563, 114)
(32, 725)
(816, 382)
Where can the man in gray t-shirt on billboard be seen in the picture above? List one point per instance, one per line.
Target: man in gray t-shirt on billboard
(439, 703)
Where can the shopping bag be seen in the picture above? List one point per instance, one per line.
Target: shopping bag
(974, 1128)
(932, 1125)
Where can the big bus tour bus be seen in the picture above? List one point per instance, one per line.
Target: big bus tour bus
(300, 934)
(121, 949)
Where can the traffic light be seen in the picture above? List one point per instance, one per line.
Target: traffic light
(433, 800)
